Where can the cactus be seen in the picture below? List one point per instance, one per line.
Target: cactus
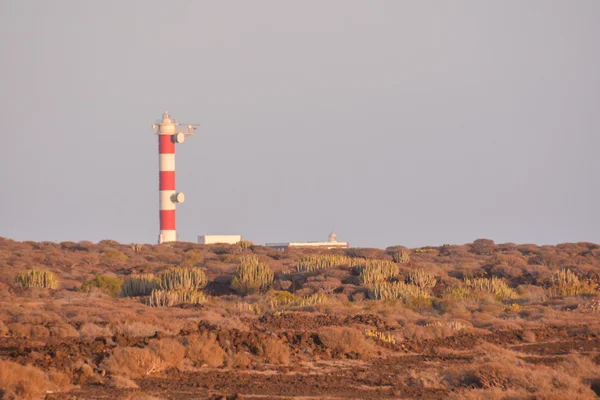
(384, 337)
(182, 279)
(245, 244)
(397, 290)
(37, 278)
(457, 292)
(421, 278)
(281, 300)
(496, 286)
(162, 298)
(401, 257)
(252, 276)
(317, 263)
(454, 325)
(139, 285)
(374, 271)
(170, 298)
(566, 283)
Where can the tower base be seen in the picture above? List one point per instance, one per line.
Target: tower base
(167, 236)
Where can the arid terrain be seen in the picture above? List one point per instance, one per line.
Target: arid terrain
(185, 321)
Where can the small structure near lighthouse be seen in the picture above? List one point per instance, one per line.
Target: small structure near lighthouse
(331, 243)
(169, 133)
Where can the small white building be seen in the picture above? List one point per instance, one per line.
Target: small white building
(332, 243)
(219, 239)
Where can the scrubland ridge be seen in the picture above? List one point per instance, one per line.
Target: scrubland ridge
(181, 321)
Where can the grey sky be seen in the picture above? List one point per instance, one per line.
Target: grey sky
(390, 122)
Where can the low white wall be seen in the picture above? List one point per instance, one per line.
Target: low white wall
(214, 239)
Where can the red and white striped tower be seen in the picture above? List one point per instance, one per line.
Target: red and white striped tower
(168, 134)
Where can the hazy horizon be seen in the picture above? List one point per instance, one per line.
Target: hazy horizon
(414, 123)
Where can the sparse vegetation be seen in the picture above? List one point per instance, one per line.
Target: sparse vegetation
(301, 311)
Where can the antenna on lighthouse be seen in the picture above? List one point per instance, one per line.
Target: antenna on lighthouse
(169, 133)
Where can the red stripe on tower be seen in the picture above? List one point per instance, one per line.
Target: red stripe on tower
(167, 220)
(166, 180)
(166, 144)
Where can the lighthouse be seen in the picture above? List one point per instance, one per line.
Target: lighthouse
(169, 132)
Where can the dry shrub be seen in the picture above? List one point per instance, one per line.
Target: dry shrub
(582, 367)
(23, 381)
(203, 349)
(532, 293)
(59, 379)
(92, 330)
(64, 331)
(121, 382)
(497, 369)
(528, 336)
(426, 379)
(28, 330)
(276, 351)
(133, 362)
(239, 360)
(138, 328)
(170, 351)
(3, 329)
(447, 352)
(138, 396)
(345, 340)
(434, 331)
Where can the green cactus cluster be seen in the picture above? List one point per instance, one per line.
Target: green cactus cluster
(170, 298)
(421, 278)
(321, 262)
(496, 286)
(252, 276)
(397, 291)
(139, 285)
(244, 244)
(565, 283)
(374, 271)
(281, 301)
(401, 257)
(37, 278)
(458, 292)
(182, 278)
(286, 299)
